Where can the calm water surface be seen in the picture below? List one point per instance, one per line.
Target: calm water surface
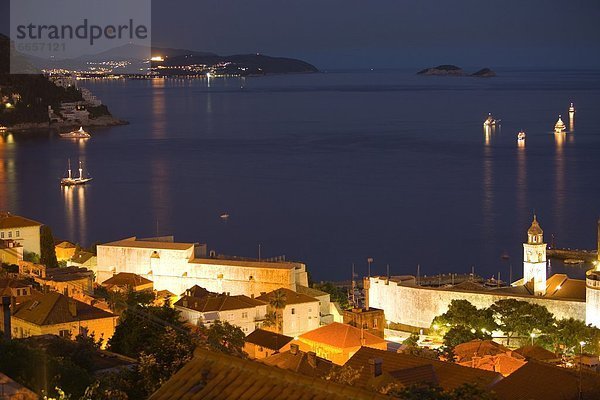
(329, 168)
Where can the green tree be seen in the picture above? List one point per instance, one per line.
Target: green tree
(278, 301)
(346, 375)
(222, 337)
(160, 363)
(48, 253)
(461, 334)
(521, 318)
(141, 329)
(567, 334)
(461, 313)
(337, 294)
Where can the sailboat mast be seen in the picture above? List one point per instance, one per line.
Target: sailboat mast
(69, 170)
(80, 171)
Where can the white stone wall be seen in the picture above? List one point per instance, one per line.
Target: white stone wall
(592, 294)
(28, 237)
(176, 271)
(246, 318)
(300, 318)
(418, 306)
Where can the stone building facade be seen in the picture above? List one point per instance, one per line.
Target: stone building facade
(176, 267)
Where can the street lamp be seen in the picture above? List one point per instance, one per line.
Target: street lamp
(581, 344)
(369, 261)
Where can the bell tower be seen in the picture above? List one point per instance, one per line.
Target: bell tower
(534, 259)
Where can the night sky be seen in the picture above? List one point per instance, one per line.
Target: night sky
(385, 33)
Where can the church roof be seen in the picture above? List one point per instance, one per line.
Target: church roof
(535, 228)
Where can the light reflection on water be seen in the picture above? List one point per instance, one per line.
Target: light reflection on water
(304, 163)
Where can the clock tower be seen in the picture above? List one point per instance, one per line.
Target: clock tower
(534, 259)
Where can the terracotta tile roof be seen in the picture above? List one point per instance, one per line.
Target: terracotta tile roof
(267, 339)
(126, 279)
(13, 283)
(8, 221)
(419, 375)
(504, 364)
(342, 336)
(536, 353)
(542, 381)
(219, 302)
(197, 291)
(63, 244)
(478, 348)
(147, 244)
(82, 257)
(449, 375)
(560, 286)
(291, 297)
(53, 308)
(14, 390)
(310, 291)
(304, 363)
(218, 376)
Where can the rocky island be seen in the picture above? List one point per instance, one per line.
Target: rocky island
(444, 70)
(453, 70)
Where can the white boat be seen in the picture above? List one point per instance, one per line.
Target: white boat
(3, 129)
(70, 181)
(521, 136)
(78, 134)
(572, 108)
(224, 216)
(489, 121)
(560, 125)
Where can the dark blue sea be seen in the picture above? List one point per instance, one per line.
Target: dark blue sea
(329, 169)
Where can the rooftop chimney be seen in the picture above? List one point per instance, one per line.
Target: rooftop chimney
(376, 366)
(294, 348)
(6, 300)
(72, 307)
(312, 359)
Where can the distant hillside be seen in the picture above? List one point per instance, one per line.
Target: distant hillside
(252, 63)
(36, 92)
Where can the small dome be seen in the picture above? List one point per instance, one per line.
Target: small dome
(535, 228)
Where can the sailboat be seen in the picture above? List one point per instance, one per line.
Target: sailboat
(70, 181)
(559, 127)
(490, 121)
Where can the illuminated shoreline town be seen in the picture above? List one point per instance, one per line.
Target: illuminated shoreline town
(323, 330)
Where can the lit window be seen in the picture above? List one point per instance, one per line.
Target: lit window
(10, 234)
(293, 311)
(1, 235)
(245, 315)
(17, 234)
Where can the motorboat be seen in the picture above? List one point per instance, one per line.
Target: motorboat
(521, 136)
(490, 121)
(77, 134)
